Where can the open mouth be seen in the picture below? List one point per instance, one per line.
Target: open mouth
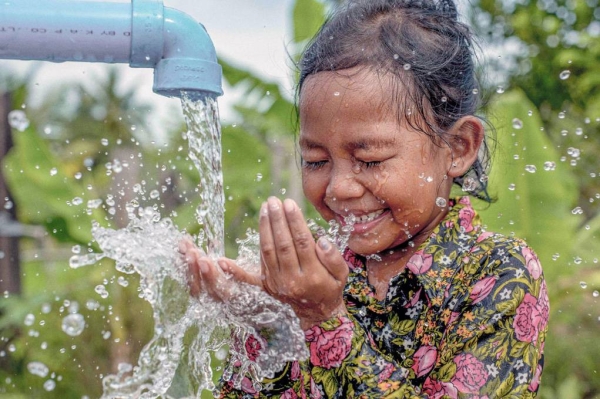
(365, 222)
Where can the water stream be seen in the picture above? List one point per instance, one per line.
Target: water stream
(176, 363)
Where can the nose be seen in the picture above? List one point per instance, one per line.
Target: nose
(344, 184)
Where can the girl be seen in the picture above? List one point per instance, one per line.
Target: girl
(424, 303)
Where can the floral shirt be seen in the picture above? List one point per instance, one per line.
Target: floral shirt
(467, 318)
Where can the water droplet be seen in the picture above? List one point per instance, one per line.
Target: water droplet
(77, 201)
(104, 142)
(29, 320)
(406, 67)
(577, 260)
(500, 89)
(564, 75)
(122, 281)
(76, 249)
(583, 284)
(337, 94)
(555, 256)
(93, 204)
(259, 176)
(154, 194)
(441, 202)
(577, 211)
(38, 368)
(578, 131)
(530, 168)
(17, 119)
(49, 385)
(475, 91)
(549, 165)
(53, 172)
(396, 56)
(469, 184)
(517, 123)
(101, 290)
(283, 191)
(596, 294)
(444, 99)
(8, 205)
(561, 115)
(73, 324)
(512, 187)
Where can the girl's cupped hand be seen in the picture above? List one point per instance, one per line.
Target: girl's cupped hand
(309, 276)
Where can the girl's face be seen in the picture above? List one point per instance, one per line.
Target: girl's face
(358, 160)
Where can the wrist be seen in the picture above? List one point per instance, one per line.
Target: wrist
(307, 322)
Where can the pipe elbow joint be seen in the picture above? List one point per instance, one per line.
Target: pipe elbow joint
(189, 60)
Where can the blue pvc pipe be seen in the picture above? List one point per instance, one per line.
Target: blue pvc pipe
(144, 34)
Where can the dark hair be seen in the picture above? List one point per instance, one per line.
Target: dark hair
(423, 47)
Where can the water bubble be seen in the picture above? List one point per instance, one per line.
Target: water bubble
(396, 56)
(530, 168)
(512, 187)
(337, 94)
(549, 165)
(76, 249)
(555, 256)
(122, 281)
(595, 294)
(104, 142)
(78, 175)
(73, 324)
(154, 194)
(259, 176)
(444, 99)
(18, 120)
(469, 184)
(529, 113)
(92, 305)
(406, 67)
(29, 320)
(577, 211)
(583, 284)
(93, 204)
(441, 202)
(564, 75)
(475, 91)
(77, 201)
(53, 172)
(46, 308)
(578, 131)
(517, 123)
(8, 205)
(101, 290)
(573, 152)
(500, 89)
(38, 368)
(577, 260)
(49, 385)
(561, 115)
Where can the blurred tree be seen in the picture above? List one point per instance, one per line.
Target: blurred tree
(551, 50)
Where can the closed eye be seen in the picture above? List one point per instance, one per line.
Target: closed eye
(313, 165)
(370, 164)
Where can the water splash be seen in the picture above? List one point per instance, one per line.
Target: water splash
(176, 362)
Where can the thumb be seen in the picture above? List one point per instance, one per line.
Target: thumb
(332, 259)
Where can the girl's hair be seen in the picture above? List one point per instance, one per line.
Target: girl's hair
(423, 48)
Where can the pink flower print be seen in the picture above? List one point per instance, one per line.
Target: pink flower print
(424, 360)
(352, 260)
(438, 389)
(415, 299)
(315, 393)
(329, 348)
(386, 373)
(465, 201)
(253, 347)
(527, 320)
(420, 263)
(465, 216)
(532, 262)
(295, 376)
(289, 394)
(543, 305)
(484, 236)
(482, 289)
(247, 386)
(470, 375)
(535, 381)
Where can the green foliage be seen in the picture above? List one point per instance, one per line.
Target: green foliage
(308, 16)
(530, 205)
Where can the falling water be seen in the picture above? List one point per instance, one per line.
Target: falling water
(176, 363)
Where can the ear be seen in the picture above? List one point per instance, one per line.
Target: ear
(465, 138)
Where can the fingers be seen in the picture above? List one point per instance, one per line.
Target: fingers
(239, 274)
(331, 258)
(302, 238)
(279, 248)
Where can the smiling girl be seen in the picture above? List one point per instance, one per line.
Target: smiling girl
(424, 302)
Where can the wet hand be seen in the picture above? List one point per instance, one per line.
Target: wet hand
(207, 275)
(308, 276)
